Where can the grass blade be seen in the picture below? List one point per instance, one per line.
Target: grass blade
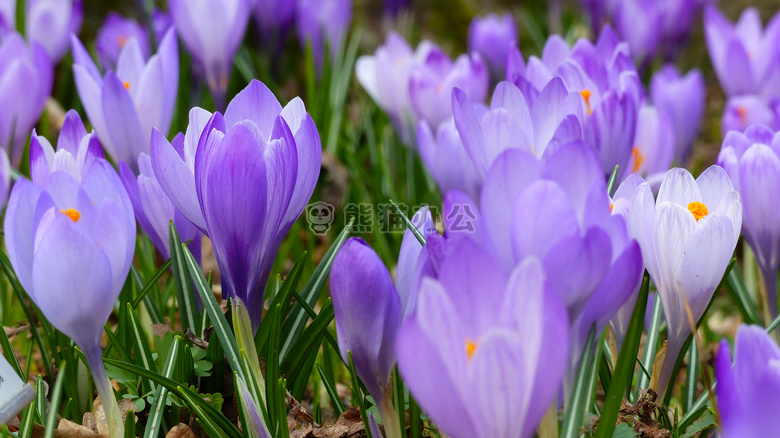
(330, 387)
(188, 307)
(155, 418)
(578, 403)
(56, 396)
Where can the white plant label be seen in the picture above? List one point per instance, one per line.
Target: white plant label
(15, 394)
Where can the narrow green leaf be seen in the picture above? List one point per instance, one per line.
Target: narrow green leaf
(272, 373)
(357, 394)
(648, 358)
(281, 298)
(330, 387)
(692, 379)
(151, 305)
(56, 396)
(149, 284)
(155, 417)
(417, 233)
(284, 431)
(130, 426)
(188, 306)
(40, 391)
(590, 398)
(204, 419)
(414, 418)
(26, 426)
(307, 343)
(8, 352)
(143, 355)
(612, 180)
(578, 402)
(739, 293)
(624, 367)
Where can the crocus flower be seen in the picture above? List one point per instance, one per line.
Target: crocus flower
(385, 77)
(751, 160)
(161, 22)
(682, 98)
(212, 31)
(484, 352)
(743, 55)
(744, 111)
(432, 80)
(637, 22)
(154, 210)
(272, 156)
(394, 7)
(125, 105)
(50, 22)
(747, 391)
(25, 84)
(323, 23)
(446, 159)
(687, 237)
(653, 145)
(598, 11)
(274, 18)
(492, 36)
(114, 35)
(71, 242)
(76, 151)
(5, 178)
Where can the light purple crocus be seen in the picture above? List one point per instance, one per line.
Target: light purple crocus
(50, 22)
(682, 98)
(447, 160)
(747, 391)
(124, 106)
(491, 36)
(212, 31)
(485, 351)
(743, 111)
(687, 238)
(161, 23)
(323, 23)
(243, 179)
(76, 151)
(114, 34)
(25, 84)
(653, 150)
(638, 22)
(744, 55)
(154, 210)
(752, 160)
(71, 242)
(432, 80)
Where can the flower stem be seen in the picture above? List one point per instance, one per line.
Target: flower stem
(389, 415)
(116, 427)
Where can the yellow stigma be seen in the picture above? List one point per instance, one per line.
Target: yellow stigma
(586, 95)
(638, 157)
(72, 213)
(127, 85)
(698, 209)
(471, 347)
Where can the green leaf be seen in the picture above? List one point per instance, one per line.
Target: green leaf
(149, 284)
(56, 396)
(188, 306)
(308, 343)
(330, 387)
(8, 352)
(648, 357)
(155, 417)
(357, 394)
(692, 379)
(143, 353)
(739, 293)
(246, 349)
(282, 298)
(417, 234)
(624, 367)
(612, 180)
(272, 373)
(578, 403)
(703, 423)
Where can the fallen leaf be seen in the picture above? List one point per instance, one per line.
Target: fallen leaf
(181, 430)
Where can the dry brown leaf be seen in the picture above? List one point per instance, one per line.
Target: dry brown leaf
(657, 364)
(96, 420)
(181, 430)
(65, 429)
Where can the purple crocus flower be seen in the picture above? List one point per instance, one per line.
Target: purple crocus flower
(747, 391)
(114, 35)
(484, 352)
(272, 156)
(71, 243)
(321, 23)
(638, 22)
(687, 238)
(212, 31)
(446, 159)
(752, 161)
(743, 55)
(394, 7)
(744, 111)
(492, 36)
(598, 11)
(161, 23)
(682, 98)
(432, 80)
(154, 210)
(125, 105)
(25, 84)
(76, 151)
(50, 22)
(5, 178)
(274, 19)
(653, 145)
(385, 77)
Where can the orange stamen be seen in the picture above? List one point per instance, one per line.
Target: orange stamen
(471, 347)
(127, 85)
(72, 213)
(638, 157)
(586, 95)
(698, 209)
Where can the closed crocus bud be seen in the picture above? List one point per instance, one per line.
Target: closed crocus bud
(124, 106)
(161, 23)
(743, 55)
(321, 23)
(368, 312)
(446, 159)
(678, 18)
(432, 80)
(687, 238)
(273, 155)
(747, 391)
(114, 34)
(154, 210)
(465, 350)
(492, 36)
(638, 22)
(71, 243)
(274, 18)
(653, 145)
(25, 85)
(682, 98)
(50, 23)
(385, 77)
(744, 111)
(76, 151)
(212, 31)
(753, 164)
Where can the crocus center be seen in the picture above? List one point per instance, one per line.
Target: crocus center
(72, 213)
(471, 347)
(121, 40)
(611, 206)
(638, 157)
(698, 209)
(127, 85)
(586, 95)
(742, 114)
